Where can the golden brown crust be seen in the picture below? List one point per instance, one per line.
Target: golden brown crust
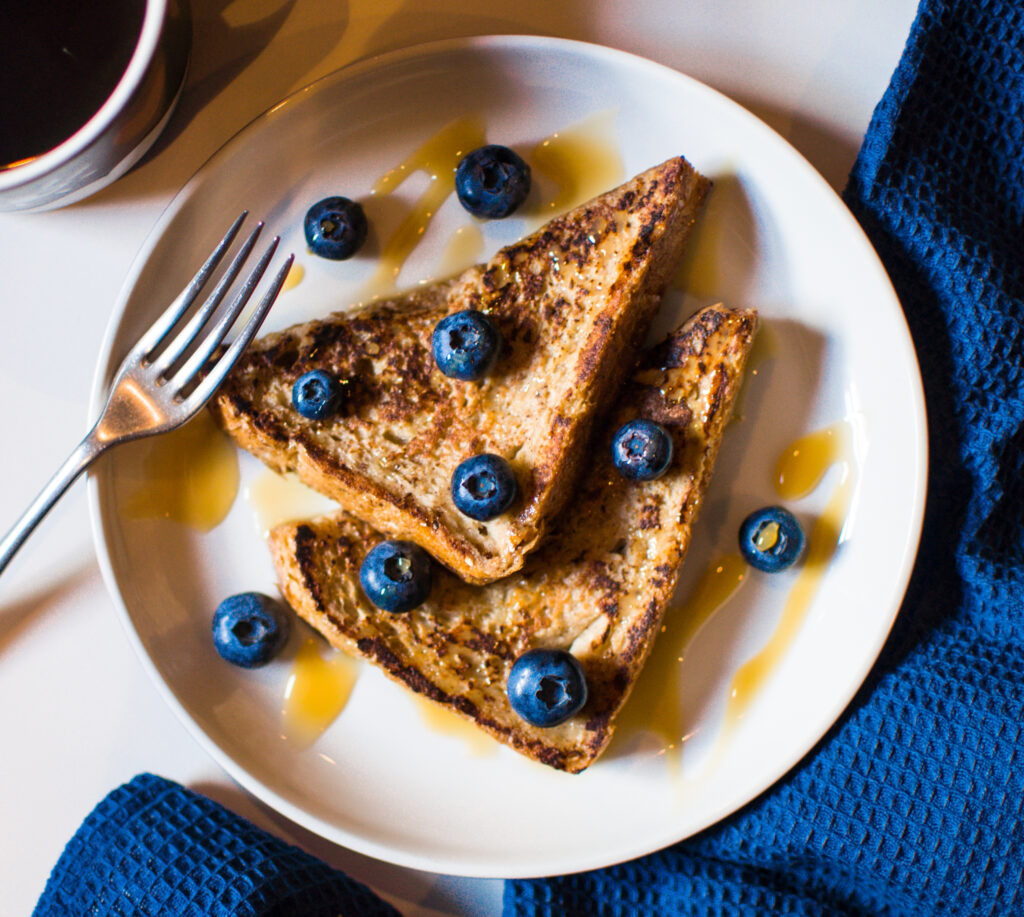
(573, 301)
(598, 585)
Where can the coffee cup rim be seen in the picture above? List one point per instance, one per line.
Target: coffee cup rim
(19, 173)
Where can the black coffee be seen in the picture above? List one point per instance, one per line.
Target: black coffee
(59, 62)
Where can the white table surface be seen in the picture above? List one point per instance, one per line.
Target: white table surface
(78, 714)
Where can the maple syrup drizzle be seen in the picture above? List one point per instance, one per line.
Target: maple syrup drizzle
(803, 464)
(445, 722)
(276, 499)
(464, 249)
(189, 475)
(317, 690)
(574, 165)
(654, 705)
(295, 275)
(800, 469)
(438, 158)
(582, 161)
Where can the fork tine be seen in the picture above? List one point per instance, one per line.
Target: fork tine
(138, 402)
(176, 349)
(155, 335)
(202, 392)
(213, 338)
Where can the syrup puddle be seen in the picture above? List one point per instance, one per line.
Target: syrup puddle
(799, 471)
(464, 249)
(803, 464)
(296, 273)
(571, 166)
(655, 707)
(443, 721)
(317, 690)
(582, 161)
(438, 158)
(189, 475)
(276, 499)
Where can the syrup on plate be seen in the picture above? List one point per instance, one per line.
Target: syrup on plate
(279, 498)
(799, 470)
(189, 475)
(438, 158)
(655, 707)
(317, 690)
(571, 166)
(582, 161)
(295, 275)
(443, 721)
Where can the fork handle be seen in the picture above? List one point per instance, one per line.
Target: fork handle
(83, 456)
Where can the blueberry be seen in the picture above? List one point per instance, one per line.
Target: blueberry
(335, 228)
(642, 450)
(492, 181)
(466, 344)
(317, 395)
(771, 539)
(484, 486)
(397, 575)
(546, 687)
(249, 629)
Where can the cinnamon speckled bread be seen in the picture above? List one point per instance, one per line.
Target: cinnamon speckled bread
(597, 586)
(573, 301)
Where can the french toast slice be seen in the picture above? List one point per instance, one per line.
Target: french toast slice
(597, 586)
(573, 302)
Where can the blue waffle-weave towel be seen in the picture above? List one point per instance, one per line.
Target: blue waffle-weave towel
(152, 847)
(912, 804)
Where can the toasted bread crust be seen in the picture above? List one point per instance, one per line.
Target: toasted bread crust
(598, 585)
(573, 302)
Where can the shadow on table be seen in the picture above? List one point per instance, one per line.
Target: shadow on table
(223, 48)
(16, 615)
(830, 153)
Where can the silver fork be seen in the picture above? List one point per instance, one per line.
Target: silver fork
(165, 380)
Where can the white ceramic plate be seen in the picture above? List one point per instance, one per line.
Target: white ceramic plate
(835, 348)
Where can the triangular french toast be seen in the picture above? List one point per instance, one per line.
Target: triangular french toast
(573, 302)
(597, 586)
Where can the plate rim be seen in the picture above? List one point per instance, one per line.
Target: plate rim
(237, 771)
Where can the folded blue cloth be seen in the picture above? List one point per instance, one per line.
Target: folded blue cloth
(912, 804)
(152, 847)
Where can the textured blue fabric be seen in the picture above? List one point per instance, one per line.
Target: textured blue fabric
(152, 847)
(912, 804)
